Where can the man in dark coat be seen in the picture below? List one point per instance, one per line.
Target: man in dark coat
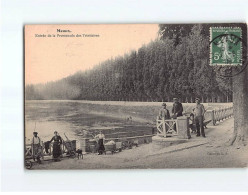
(177, 109)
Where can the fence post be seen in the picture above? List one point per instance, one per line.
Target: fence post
(164, 130)
(226, 113)
(42, 150)
(50, 148)
(183, 127)
(231, 111)
(217, 115)
(212, 117)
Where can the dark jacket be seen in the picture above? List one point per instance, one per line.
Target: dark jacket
(177, 108)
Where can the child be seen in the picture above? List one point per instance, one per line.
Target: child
(192, 123)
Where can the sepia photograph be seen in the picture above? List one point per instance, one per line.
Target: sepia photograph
(135, 96)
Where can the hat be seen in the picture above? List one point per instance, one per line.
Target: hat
(164, 104)
(55, 132)
(197, 98)
(35, 133)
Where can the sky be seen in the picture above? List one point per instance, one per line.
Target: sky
(52, 58)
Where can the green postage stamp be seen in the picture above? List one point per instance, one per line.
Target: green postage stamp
(225, 46)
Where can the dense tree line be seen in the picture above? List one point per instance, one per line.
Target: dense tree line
(176, 65)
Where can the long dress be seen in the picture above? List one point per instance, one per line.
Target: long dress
(101, 147)
(56, 146)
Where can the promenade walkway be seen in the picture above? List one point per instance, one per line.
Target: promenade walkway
(197, 152)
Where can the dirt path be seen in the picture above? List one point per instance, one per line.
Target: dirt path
(213, 153)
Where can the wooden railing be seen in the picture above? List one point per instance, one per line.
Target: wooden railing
(171, 127)
(166, 127)
(218, 115)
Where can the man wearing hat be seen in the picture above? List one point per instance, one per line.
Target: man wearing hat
(199, 112)
(177, 109)
(36, 147)
(163, 112)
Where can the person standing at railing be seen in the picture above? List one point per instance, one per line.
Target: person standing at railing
(164, 113)
(177, 109)
(199, 112)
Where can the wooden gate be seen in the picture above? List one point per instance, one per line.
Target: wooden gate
(168, 127)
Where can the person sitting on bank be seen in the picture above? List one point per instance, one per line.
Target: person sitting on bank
(101, 138)
(36, 146)
(57, 141)
(164, 112)
(199, 112)
(177, 109)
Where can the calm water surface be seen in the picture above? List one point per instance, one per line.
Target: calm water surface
(73, 118)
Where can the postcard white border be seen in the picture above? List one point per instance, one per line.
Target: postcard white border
(15, 14)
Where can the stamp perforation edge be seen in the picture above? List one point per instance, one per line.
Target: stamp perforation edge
(210, 51)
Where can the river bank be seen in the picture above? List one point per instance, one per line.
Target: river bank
(210, 152)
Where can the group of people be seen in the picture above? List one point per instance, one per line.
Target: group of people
(37, 146)
(57, 142)
(196, 117)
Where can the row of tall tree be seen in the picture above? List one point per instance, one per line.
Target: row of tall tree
(174, 65)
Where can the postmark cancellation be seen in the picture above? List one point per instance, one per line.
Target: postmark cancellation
(225, 46)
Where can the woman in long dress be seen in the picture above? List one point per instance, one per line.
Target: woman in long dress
(57, 141)
(100, 137)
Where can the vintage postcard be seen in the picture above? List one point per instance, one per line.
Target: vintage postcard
(136, 96)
